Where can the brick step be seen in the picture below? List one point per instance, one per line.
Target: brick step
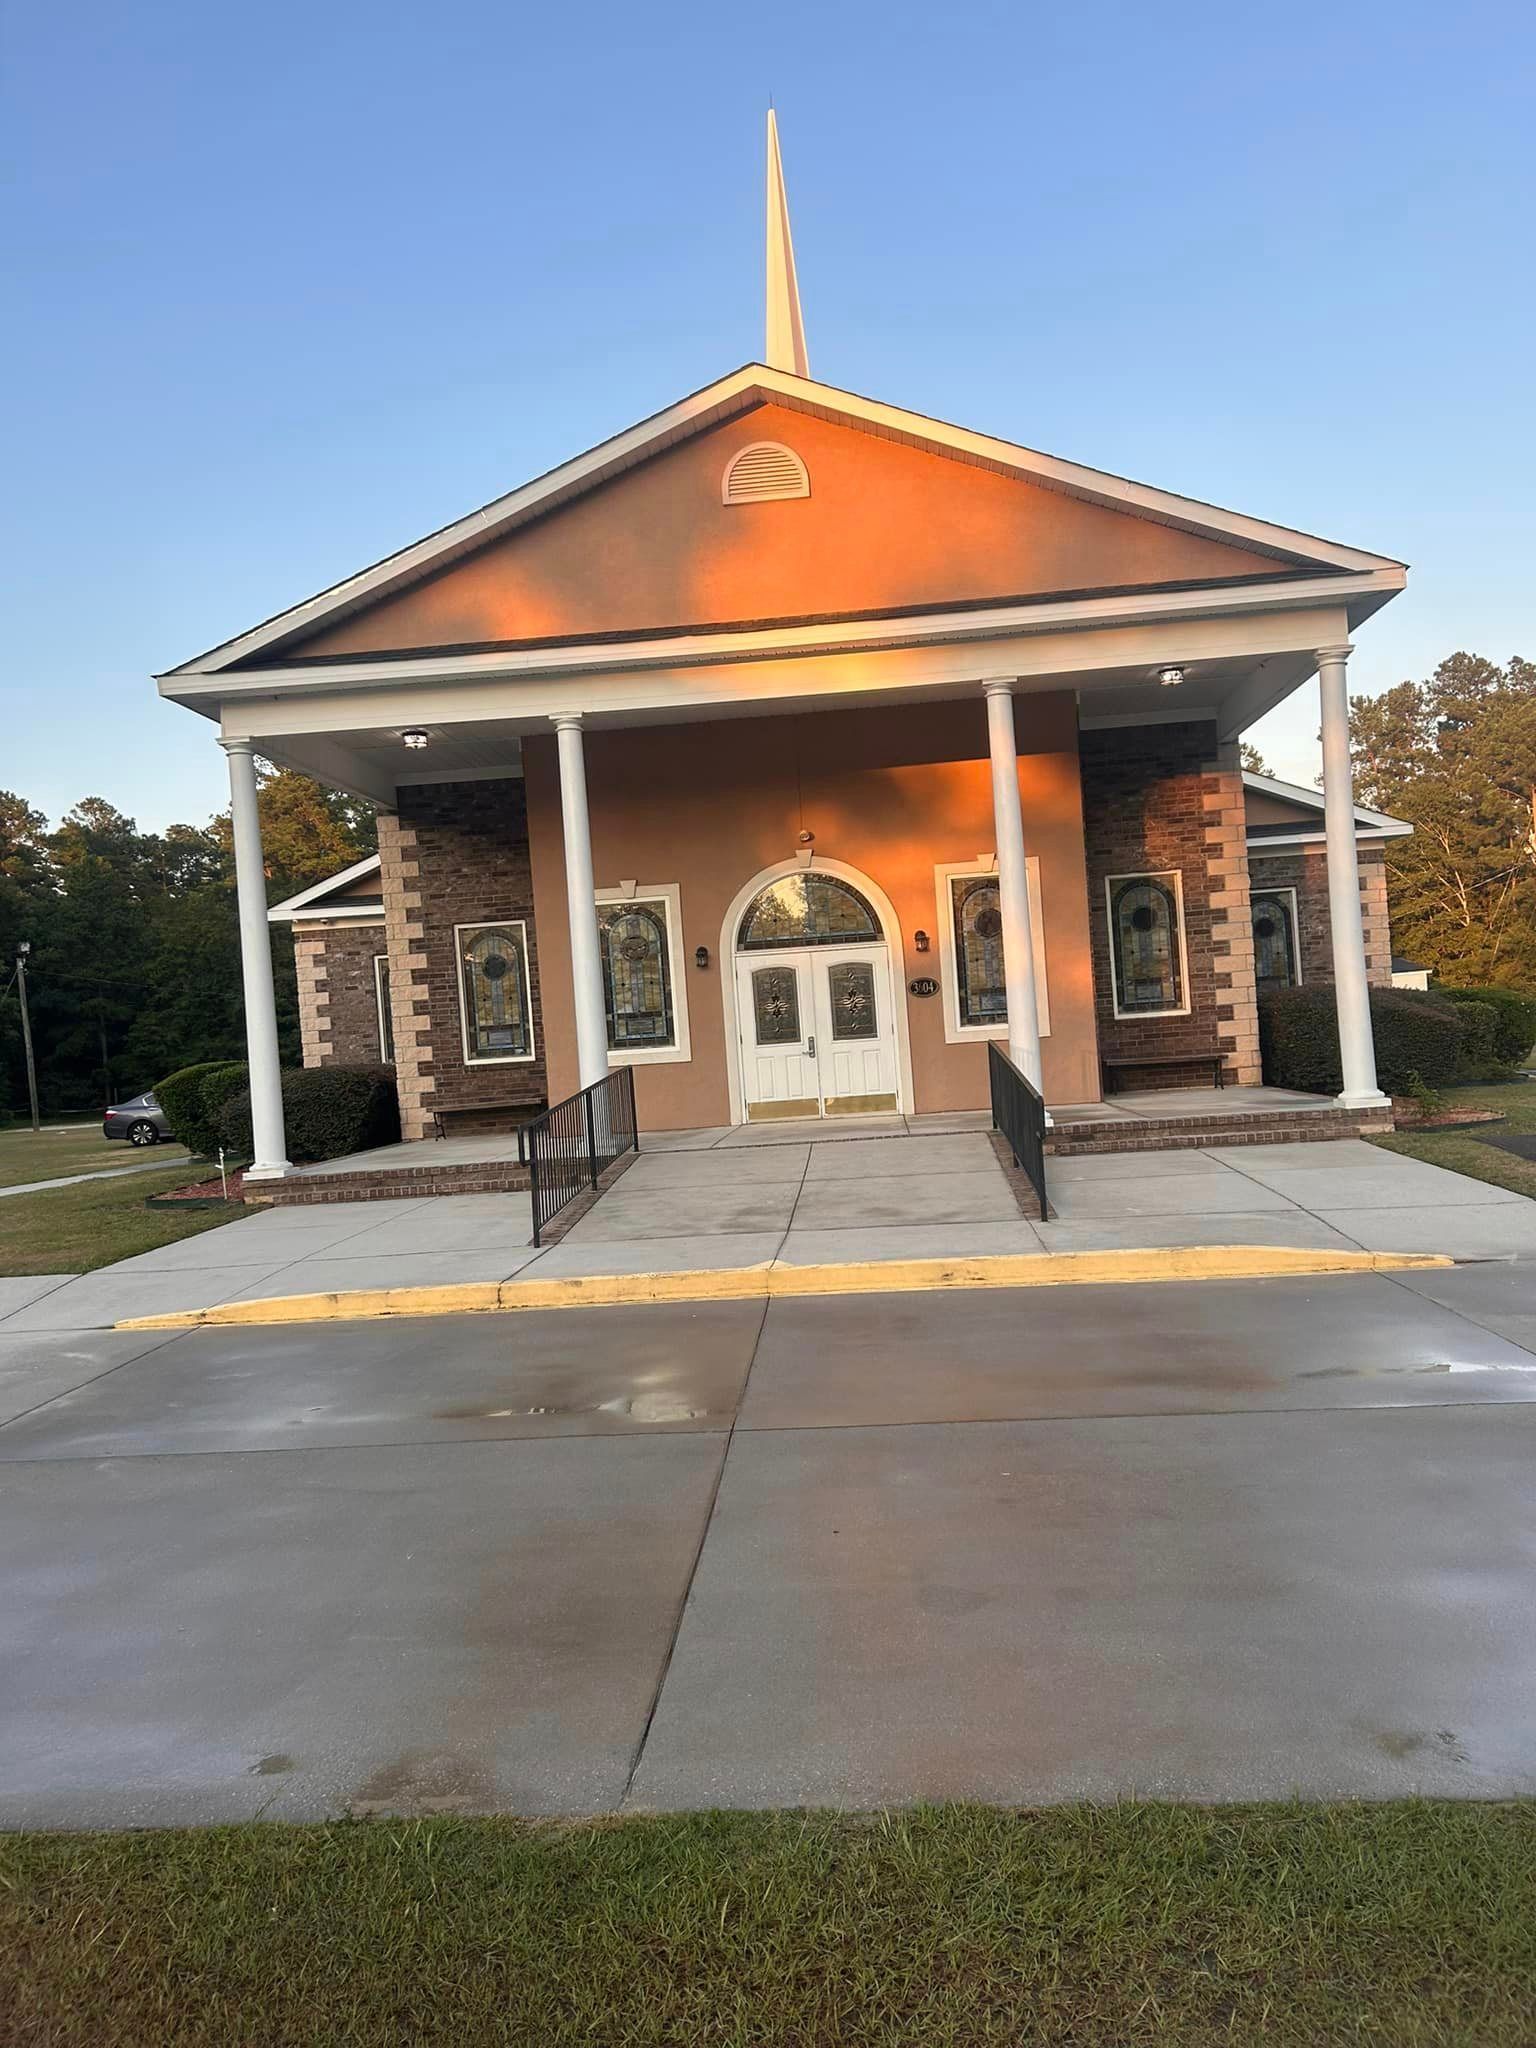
(398, 1184)
(1190, 1134)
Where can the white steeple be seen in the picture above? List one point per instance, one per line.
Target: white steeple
(786, 330)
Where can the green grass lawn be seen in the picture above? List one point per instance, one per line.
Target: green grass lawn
(26, 1154)
(1402, 1925)
(1462, 1151)
(74, 1230)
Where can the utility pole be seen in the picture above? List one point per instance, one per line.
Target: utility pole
(23, 948)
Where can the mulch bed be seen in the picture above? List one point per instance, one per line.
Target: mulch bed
(202, 1194)
(1409, 1117)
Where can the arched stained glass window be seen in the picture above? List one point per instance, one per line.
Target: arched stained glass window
(637, 975)
(1144, 931)
(1274, 939)
(807, 908)
(978, 918)
(493, 988)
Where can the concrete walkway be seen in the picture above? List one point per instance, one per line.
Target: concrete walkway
(1216, 1541)
(699, 1201)
(70, 1180)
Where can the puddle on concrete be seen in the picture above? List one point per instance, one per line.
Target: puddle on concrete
(643, 1408)
(424, 1783)
(272, 1766)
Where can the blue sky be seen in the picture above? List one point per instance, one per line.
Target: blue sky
(300, 283)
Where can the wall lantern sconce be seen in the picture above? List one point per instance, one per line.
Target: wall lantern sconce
(1171, 676)
(920, 940)
(415, 737)
(807, 839)
(701, 956)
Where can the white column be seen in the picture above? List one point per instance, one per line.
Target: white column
(1351, 990)
(269, 1141)
(1013, 884)
(580, 904)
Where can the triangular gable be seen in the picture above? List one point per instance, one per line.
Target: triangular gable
(1286, 811)
(904, 513)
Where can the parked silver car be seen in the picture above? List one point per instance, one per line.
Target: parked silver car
(140, 1120)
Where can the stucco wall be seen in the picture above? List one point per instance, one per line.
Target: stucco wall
(886, 526)
(890, 793)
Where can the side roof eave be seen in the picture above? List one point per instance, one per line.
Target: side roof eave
(1312, 800)
(317, 892)
(754, 384)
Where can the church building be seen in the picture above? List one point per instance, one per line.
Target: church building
(789, 747)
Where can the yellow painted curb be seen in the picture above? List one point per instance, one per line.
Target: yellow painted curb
(778, 1281)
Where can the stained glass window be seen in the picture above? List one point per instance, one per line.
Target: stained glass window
(851, 986)
(493, 986)
(807, 909)
(1144, 931)
(637, 975)
(1274, 939)
(776, 1005)
(978, 921)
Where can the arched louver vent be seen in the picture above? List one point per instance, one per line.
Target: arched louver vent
(763, 470)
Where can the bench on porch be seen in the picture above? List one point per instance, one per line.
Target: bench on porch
(440, 1118)
(1215, 1060)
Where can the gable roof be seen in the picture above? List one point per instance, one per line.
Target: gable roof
(332, 897)
(1370, 826)
(753, 385)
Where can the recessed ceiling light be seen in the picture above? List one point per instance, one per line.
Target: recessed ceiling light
(415, 737)
(1171, 676)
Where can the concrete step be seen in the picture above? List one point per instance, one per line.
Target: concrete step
(1195, 1134)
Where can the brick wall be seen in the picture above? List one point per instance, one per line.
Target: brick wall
(1305, 869)
(1159, 798)
(338, 1006)
(453, 853)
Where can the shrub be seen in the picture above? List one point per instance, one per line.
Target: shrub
(192, 1098)
(1517, 1019)
(328, 1111)
(1479, 1041)
(1415, 1033)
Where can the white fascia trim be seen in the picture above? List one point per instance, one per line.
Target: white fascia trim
(1364, 836)
(701, 650)
(350, 912)
(369, 865)
(730, 395)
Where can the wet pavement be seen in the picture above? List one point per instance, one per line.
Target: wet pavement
(1210, 1540)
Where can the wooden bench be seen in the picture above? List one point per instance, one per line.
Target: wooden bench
(1216, 1061)
(440, 1119)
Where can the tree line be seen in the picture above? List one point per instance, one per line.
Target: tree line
(135, 962)
(134, 967)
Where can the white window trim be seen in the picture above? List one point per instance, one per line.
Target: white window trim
(495, 1059)
(1176, 876)
(1262, 890)
(382, 960)
(956, 1033)
(679, 1053)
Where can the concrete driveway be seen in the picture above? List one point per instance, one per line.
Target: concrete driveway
(1209, 1540)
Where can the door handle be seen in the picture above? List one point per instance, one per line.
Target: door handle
(810, 1047)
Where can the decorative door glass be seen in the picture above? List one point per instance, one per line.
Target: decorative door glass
(776, 1005)
(851, 986)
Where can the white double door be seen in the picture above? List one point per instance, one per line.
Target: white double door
(818, 1031)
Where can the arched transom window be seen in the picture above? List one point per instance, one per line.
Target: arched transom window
(808, 908)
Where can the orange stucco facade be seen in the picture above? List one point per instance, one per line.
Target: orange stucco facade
(890, 793)
(887, 526)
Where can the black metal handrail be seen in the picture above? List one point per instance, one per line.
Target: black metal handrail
(1018, 1111)
(573, 1141)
